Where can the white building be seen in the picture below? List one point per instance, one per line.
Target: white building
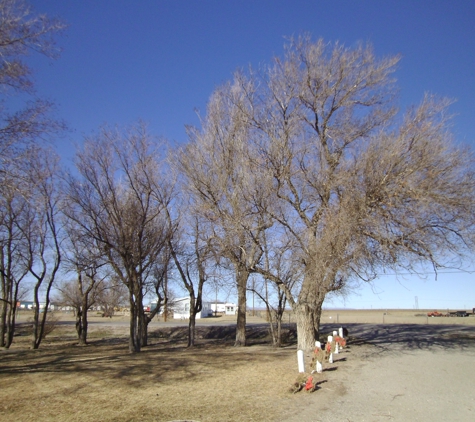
(224, 308)
(181, 309)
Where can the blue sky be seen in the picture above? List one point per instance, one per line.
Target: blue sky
(158, 61)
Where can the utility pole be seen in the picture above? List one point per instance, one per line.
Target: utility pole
(253, 289)
(216, 299)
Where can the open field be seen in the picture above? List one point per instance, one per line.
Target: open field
(399, 371)
(393, 316)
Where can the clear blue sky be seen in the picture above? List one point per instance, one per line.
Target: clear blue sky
(160, 60)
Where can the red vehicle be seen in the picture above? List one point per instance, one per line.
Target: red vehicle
(435, 314)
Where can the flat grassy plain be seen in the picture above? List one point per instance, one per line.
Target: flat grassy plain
(213, 381)
(393, 316)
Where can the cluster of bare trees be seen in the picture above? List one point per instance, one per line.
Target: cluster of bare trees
(29, 200)
(303, 174)
(312, 178)
(119, 204)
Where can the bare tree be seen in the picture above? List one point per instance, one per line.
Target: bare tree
(356, 187)
(111, 296)
(13, 267)
(119, 200)
(220, 179)
(158, 284)
(278, 260)
(42, 233)
(193, 266)
(21, 32)
(84, 258)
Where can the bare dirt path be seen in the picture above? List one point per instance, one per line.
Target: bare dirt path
(399, 373)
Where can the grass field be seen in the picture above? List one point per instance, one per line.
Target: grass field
(393, 316)
(167, 381)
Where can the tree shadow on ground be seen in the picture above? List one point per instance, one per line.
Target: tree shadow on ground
(409, 337)
(256, 334)
(168, 360)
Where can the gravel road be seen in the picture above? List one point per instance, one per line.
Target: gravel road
(399, 373)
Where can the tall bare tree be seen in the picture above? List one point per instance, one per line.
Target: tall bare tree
(13, 267)
(193, 264)
(21, 32)
(220, 179)
(119, 201)
(42, 233)
(357, 187)
(280, 262)
(158, 284)
(83, 258)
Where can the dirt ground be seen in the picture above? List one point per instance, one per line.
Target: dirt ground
(388, 372)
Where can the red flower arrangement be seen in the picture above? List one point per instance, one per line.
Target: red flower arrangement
(340, 341)
(318, 355)
(303, 382)
(309, 384)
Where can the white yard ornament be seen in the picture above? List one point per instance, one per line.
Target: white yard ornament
(340, 332)
(300, 361)
(330, 359)
(318, 366)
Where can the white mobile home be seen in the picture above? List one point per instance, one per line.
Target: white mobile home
(181, 309)
(224, 308)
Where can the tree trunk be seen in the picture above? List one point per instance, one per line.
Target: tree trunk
(306, 332)
(83, 318)
(12, 316)
(134, 335)
(3, 322)
(191, 330)
(7, 313)
(242, 277)
(317, 314)
(279, 331)
(39, 322)
(78, 323)
(39, 319)
(144, 321)
(270, 318)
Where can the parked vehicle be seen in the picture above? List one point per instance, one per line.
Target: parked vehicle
(435, 314)
(458, 314)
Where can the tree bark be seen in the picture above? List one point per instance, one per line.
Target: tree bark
(11, 324)
(134, 338)
(242, 277)
(83, 336)
(3, 322)
(279, 331)
(191, 330)
(78, 323)
(306, 330)
(144, 321)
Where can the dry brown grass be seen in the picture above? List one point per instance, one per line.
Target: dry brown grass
(166, 381)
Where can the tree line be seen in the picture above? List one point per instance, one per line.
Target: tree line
(303, 173)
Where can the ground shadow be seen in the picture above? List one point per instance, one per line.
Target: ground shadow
(409, 337)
